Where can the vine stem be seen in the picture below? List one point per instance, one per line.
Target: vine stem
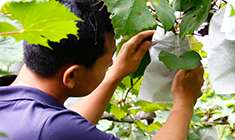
(176, 45)
(222, 133)
(137, 125)
(124, 100)
(10, 33)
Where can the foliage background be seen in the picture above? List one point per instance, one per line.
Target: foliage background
(127, 117)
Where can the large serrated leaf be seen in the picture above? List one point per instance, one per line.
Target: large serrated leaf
(6, 27)
(14, 23)
(46, 21)
(165, 13)
(143, 64)
(11, 51)
(129, 16)
(184, 5)
(186, 61)
(194, 18)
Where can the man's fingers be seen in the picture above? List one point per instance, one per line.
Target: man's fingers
(136, 40)
(143, 48)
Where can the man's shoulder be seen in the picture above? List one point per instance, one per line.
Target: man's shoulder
(70, 125)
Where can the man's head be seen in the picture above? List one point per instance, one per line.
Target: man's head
(85, 51)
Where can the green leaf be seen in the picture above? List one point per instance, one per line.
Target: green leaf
(118, 112)
(194, 18)
(152, 107)
(4, 73)
(6, 19)
(184, 5)
(134, 110)
(6, 27)
(231, 119)
(129, 16)
(232, 11)
(3, 135)
(141, 125)
(165, 13)
(163, 115)
(195, 119)
(154, 126)
(53, 23)
(2, 6)
(193, 136)
(230, 137)
(188, 60)
(11, 51)
(143, 64)
(104, 124)
(122, 86)
(195, 45)
(108, 108)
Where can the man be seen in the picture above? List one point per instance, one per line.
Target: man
(32, 106)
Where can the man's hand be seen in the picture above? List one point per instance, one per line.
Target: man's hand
(186, 86)
(131, 55)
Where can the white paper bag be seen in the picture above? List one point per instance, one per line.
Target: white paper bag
(221, 56)
(157, 80)
(228, 21)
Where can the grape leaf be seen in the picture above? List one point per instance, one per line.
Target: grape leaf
(232, 11)
(194, 18)
(118, 112)
(196, 45)
(42, 21)
(230, 137)
(2, 6)
(14, 23)
(129, 16)
(231, 119)
(143, 64)
(188, 60)
(4, 73)
(183, 5)
(151, 107)
(6, 27)
(141, 125)
(154, 126)
(11, 51)
(165, 13)
(3, 135)
(108, 108)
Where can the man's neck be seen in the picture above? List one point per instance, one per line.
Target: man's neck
(52, 86)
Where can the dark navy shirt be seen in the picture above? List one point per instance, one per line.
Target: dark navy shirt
(29, 114)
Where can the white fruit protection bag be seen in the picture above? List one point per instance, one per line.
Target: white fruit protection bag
(157, 79)
(220, 48)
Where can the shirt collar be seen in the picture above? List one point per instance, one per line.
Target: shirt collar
(8, 93)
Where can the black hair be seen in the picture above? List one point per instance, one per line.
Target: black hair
(47, 62)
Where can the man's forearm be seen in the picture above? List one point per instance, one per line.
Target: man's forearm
(177, 124)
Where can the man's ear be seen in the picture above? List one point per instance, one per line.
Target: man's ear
(70, 76)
